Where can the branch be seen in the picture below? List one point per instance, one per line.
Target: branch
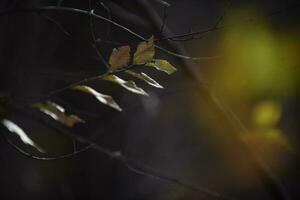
(94, 38)
(28, 155)
(201, 33)
(88, 13)
(131, 164)
(239, 128)
(60, 27)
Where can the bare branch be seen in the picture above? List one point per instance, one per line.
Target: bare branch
(28, 155)
(92, 14)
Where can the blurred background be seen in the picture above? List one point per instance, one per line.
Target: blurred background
(216, 121)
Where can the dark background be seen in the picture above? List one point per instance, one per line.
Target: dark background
(161, 130)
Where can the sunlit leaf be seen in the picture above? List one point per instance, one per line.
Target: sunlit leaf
(103, 98)
(145, 78)
(58, 113)
(145, 52)
(14, 128)
(128, 85)
(162, 65)
(119, 57)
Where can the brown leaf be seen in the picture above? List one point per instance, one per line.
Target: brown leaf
(119, 57)
(58, 113)
(145, 52)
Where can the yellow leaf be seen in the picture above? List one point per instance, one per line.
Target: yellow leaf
(145, 52)
(119, 57)
(128, 85)
(144, 77)
(105, 99)
(58, 113)
(14, 128)
(162, 65)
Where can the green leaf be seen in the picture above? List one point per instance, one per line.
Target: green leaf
(162, 65)
(58, 113)
(119, 57)
(144, 77)
(128, 85)
(103, 98)
(14, 128)
(145, 52)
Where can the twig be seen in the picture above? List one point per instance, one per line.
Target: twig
(135, 166)
(88, 13)
(28, 155)
(109, 17)
(165, 8)
(216, 27)
(227, 113)
(92, 29)
(56, 23)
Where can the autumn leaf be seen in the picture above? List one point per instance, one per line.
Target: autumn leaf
(144, 77)
(128, 85)
(145, 52)
(103, 98)
(58, 113)
(14, 128)
(162, 65)
(119, 57)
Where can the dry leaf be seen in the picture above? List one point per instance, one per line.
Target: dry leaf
(119, 57)
(145, 52)
(58, 113)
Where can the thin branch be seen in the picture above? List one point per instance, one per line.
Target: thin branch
(60, 27)
(28, 155)
(201, 33)
(88, 13)
(227, 113)
(109, 17)
(198, 34)
(165, 8)
(132, 164)
(83, 81)
(92, 30)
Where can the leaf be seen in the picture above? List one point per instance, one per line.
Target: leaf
(128, 85)
(145, 52)
(103, 98)
(58, 113)
(14, 128)
(145, 78)
(119, 57)
(162, 65)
